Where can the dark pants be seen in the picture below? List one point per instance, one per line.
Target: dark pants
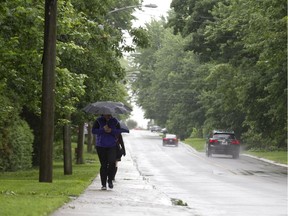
(107, 157)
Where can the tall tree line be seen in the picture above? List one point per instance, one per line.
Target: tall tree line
(218, 64)
(90, 42)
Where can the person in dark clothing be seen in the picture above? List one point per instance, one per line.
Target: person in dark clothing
(120, 150)
(106, 128)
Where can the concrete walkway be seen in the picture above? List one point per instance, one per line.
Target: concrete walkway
(132, 195)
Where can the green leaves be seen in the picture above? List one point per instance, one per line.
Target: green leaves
(140, 37)
(20, 47)
(70, 87)
(228, 71)
(167, 73)
(88, 53)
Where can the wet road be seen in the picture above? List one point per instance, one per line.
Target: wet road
(210, 186)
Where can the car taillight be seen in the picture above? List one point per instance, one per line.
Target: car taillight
(235, 142)
(213, 141)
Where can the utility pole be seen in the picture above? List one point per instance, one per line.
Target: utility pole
(48, 86)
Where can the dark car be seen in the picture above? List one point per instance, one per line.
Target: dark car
(223, 142)
(170, 139)
(155, 128)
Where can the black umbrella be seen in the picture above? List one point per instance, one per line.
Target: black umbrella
(107, 107)
(123, 127)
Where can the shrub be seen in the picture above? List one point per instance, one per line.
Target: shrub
(196, 133)
(258, 141)
(16, 146)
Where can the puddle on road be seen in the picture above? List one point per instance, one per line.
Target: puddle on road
(254, 172)
(242, 172)
(178, 202)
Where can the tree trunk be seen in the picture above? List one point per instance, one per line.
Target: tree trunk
(80, 144)
(89, 138)
(67, 149)
(48, 86)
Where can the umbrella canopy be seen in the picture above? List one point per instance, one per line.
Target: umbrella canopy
(107, 107)
(124, 127)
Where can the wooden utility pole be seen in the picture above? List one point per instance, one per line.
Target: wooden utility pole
(48, 86)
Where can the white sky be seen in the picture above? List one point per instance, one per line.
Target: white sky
(144, 16)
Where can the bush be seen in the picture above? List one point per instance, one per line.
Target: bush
(16, 146)
(58, 150)
(258, 141)
(196, 133)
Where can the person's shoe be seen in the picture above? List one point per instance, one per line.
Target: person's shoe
(110, 184)
(103, 188)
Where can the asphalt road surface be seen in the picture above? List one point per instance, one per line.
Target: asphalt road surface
(212, 186)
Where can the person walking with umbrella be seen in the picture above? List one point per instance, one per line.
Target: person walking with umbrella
(106, 128)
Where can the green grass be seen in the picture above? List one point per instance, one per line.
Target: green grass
(21, 193)
(277, 156)
(196, 143)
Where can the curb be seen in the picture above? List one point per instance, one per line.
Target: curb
(265, 160)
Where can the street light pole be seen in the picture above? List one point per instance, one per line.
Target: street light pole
(132, 6)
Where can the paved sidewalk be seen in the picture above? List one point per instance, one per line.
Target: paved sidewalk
(132, 195)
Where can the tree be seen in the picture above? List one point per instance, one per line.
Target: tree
(21, 39)
(131, 124)
(261, 62)
(190, 20)
(165, 84)
(87, 66)
(93, 41)
(242, 46)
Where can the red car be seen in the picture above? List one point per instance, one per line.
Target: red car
(170, 139)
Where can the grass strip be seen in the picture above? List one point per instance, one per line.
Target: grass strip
(196, 143)
(276, 156)
(21, 193)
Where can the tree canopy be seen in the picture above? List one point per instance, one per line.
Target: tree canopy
(218, 64)
(90, 43)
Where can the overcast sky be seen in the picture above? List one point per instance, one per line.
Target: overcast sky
(146, 14)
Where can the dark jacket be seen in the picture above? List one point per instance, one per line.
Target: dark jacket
(104, 139)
